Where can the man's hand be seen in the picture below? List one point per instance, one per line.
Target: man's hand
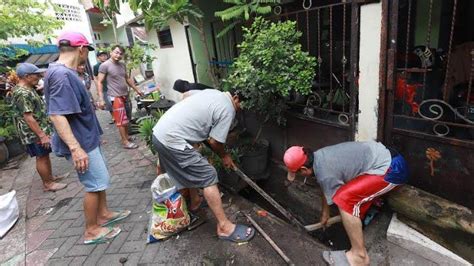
(80, 159)
(324, 217)
(101, 104)
(45, 141)
(228, 162)
(139, 92)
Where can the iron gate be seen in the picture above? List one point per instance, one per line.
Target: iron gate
(429, 99)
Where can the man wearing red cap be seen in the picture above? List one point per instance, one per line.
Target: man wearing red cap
(77, 135)
(351, 175)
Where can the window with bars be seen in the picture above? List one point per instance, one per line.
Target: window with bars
(68, 13)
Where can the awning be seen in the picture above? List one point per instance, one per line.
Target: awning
(37, 55)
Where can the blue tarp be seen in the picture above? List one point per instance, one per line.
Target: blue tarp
(44, 49)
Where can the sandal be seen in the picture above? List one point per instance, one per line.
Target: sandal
(102, 238)
(338, 258)
(240, 234)
(118, 217)
(130, 146)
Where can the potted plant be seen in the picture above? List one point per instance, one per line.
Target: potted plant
(271, 64)
(145, 128)
(8, 131)
(227, 178)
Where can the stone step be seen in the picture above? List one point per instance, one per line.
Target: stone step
(408, 238)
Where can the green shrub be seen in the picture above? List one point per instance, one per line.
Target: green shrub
(269, 66)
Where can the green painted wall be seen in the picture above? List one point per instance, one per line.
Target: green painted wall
(422, 19)
(202, 67)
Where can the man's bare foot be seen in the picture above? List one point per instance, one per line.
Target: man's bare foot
(361, 259)
(104, 218)
(98, 232)
(59, 177)
(226, 229)
(54, 186)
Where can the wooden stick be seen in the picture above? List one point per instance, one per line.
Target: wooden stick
(270, 241)
(331, 221)
(275, 204)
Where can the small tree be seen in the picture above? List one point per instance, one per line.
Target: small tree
(136, 55)
(24, 18)
(270, 65)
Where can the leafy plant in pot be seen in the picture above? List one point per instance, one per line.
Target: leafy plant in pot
(271, 64)
(227, 178)
(8, 131)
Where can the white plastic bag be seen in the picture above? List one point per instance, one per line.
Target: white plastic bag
(162, 188)
(9, 211)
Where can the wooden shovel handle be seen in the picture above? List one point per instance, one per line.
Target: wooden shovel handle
(331, 221)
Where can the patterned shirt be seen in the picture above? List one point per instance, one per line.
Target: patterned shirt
(27, 100)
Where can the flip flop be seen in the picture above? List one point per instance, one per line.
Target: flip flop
(196, 221)
(336, 258)
(130, 146)
(105, 237)
(240, 234)
(120, 216)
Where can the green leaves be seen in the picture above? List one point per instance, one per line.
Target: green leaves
(242, 10)
(137, 55)
(271, 64)
(20, 18)
(157, 13)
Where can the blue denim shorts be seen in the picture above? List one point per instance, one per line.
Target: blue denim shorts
(96, 178)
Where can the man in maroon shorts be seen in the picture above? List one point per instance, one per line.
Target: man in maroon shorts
(351, 175)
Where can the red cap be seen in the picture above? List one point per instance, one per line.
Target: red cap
(74, 39)
(294, 158)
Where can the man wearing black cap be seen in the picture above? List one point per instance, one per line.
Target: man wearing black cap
(32, 123)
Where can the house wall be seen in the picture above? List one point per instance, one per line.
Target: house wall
(172, 63)
(369, 64)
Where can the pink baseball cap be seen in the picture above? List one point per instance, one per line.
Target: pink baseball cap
(294, 159)
(74, 39)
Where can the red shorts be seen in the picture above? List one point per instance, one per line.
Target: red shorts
(120, 112)
(357, 195)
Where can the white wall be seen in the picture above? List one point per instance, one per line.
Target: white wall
(172, 63)
(82, 26)
(369, 64)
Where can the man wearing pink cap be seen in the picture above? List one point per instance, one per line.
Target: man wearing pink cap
(351, 175)
(78, 133)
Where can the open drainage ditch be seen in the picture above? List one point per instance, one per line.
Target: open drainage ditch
(297, 204)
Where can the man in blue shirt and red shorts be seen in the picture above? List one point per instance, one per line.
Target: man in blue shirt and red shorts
(351, 175)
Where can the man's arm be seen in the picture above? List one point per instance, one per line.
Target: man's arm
(219, 148)
(79, 156)
(132, 84)
(324, 210)
(35, 127)
(100, 89)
